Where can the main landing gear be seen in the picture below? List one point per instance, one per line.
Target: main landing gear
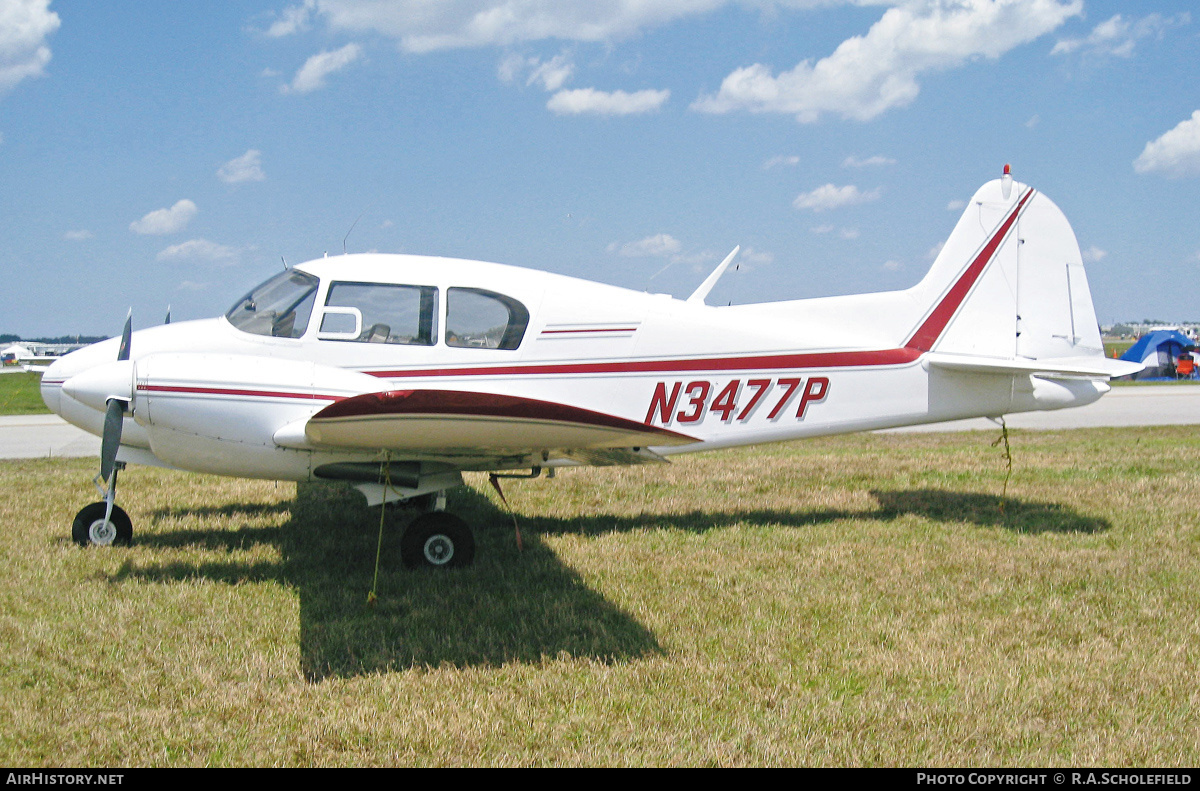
(434, 538)
(440, 540)
(437, 540)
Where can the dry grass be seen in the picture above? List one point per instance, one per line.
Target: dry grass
(857, 600)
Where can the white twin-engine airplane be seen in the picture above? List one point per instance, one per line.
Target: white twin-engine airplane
(398, 372)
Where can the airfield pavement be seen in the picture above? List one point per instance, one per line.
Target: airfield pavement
(49, 436)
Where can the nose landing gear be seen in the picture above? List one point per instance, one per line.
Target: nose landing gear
(103, 523)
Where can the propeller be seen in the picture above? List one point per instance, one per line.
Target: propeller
(114, 413)
(110, 441)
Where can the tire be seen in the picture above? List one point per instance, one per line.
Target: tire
(90, 529)
(437, 540)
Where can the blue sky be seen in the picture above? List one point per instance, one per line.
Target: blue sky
(174, 153)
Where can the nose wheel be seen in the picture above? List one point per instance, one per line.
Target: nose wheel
(92, 528)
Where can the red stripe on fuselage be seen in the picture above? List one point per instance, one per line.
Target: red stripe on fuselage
(755, 363)
(227, 391)
(576, 332)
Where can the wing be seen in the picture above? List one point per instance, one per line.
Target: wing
(462, 425)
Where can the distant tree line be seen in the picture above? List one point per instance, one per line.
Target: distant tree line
(8, 338)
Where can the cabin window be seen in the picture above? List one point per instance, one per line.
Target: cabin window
(479, 319)
(279, 307)
(380, 313)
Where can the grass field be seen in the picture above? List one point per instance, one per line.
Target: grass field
(866, 600)
(1115, 348)
(20, 394)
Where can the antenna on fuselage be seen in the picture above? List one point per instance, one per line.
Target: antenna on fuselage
(347, 236)
(284, 260)
(699, 294)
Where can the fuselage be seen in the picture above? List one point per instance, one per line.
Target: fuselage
(217, 395)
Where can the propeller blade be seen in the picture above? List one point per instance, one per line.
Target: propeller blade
(114, 419)
(123, 352)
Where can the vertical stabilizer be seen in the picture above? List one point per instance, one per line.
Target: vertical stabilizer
(1008, 284)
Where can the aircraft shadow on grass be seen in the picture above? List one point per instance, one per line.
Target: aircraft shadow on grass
(983, 510)
(511, 605)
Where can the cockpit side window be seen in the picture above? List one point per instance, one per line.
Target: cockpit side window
(480, 319)
(380, 313)
(279, 307)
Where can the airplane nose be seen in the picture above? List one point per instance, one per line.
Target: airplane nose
(98, 384)
(51, 386)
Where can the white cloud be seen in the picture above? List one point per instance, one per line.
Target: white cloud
(292, 20)
(1094, 254)
(550, 75)
(511, 66)
(1117, 36)
(821, 229)
(247, 167)
(869, 162)
(659, 246)
(24, 27)
(751, 258)
(589, 101)
(423, 26)
(1176, 153)
(956, 205)
(164, 221)
(199, 250)
(892, 265)
(312, 74)
(830, 196)
(78, 236)
(789, 161)
(867, 75)
(848, 233)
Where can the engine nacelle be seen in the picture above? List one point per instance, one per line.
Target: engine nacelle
(200, 414)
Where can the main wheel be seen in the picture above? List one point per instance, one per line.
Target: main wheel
(90, 528)
(437, 540)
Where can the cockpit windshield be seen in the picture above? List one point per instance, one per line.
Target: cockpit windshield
(279, 307)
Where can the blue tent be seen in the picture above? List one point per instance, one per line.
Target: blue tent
(1160, 352)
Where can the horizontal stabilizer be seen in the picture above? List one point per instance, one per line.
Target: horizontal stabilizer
(1091, 367)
